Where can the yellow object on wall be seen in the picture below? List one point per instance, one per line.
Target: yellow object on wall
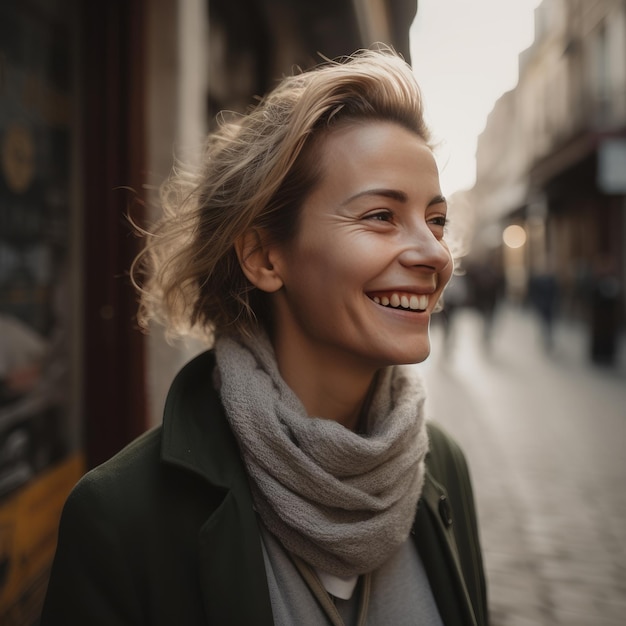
(29, 521)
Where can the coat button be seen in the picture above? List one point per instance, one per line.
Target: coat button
(444, 511)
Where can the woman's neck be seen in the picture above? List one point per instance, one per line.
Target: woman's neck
(326, 388)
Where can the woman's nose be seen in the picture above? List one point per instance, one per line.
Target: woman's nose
(423, 248)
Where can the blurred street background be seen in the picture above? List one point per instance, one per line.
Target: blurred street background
(544, 433)
(527, 103)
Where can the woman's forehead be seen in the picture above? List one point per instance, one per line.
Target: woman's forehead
(378, 144)
(359, 159)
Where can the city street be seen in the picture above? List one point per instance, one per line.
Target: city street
(545, 437)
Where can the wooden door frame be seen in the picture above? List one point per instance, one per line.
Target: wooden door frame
(114, 398)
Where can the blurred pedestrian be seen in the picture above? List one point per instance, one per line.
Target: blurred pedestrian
(294, 479)
(543, 293)
(486, 284)
(605, 312)
(456, 297)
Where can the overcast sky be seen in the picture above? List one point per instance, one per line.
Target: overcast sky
(465, 55)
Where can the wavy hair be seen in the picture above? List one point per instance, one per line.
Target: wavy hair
(255, 172)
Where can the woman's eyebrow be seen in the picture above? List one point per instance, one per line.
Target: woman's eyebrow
(393, 194)
(438, 200)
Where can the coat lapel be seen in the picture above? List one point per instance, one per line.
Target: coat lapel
(436, 543)
(232, 571)
(196, 436)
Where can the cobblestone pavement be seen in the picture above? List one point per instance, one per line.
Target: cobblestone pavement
(545, 437)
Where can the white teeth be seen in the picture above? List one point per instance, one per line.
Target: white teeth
(414, 302)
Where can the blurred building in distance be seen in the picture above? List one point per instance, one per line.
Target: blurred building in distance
(552, 160)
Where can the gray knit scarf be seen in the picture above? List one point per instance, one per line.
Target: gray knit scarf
(342, 501)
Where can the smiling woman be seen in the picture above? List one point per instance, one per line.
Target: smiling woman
(295, 479)
(372, 228)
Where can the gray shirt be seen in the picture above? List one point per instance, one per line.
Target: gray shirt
(399, 592)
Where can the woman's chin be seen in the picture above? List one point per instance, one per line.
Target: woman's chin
(413, 355)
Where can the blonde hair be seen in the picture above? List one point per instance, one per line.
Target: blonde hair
(255, 173)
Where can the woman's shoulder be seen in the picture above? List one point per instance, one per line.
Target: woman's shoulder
(123, 476)
(447, 467)
(445, 456)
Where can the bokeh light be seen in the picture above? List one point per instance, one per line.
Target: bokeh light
(514, 236)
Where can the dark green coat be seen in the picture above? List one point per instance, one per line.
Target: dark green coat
(164, 533)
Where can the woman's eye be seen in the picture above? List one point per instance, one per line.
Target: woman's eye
(380, 216)
(440, 220)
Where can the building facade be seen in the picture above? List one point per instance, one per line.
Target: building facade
(552, 159)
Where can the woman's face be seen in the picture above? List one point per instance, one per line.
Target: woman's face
(364, 272)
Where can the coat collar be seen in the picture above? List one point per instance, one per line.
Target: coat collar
(196, 435)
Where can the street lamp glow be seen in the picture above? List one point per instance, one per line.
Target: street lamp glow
(514, 236)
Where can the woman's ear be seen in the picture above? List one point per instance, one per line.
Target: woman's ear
(255, 259)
